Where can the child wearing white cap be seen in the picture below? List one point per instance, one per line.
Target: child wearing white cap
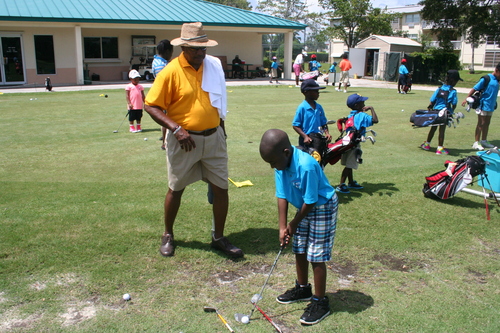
(134, 92)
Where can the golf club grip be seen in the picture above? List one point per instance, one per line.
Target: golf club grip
(268, 319)
(225, 322)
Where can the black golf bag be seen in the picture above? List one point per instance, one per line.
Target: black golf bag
(457, 175)
(424, 118)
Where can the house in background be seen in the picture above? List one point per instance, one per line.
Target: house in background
(486, 56)
(65, 39)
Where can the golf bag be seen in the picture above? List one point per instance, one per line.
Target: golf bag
(407, 86)
(48, 84)
(457, 175)
(424, 118)
(310, 75)
(349, 138)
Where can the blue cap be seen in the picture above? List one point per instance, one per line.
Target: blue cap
(355, 98)
(310, 84)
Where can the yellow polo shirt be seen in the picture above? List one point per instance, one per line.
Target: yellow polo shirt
(177, 89)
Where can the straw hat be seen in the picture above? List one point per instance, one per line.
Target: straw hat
(192, 34)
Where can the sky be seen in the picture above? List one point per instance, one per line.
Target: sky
(313, 4)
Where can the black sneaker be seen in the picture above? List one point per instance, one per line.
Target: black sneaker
(316, 311)
(295, 294)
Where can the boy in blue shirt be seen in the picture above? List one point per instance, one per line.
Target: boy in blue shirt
(310, 121)
(349, 159)
(488, 104)
(301, 182)
(274, 70)
(438, 102)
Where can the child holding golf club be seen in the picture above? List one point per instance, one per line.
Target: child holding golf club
(351, 159)
(134, 93)
(300, 181)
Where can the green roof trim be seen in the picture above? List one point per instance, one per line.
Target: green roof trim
(161, 12)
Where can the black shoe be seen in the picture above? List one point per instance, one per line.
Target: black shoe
(167, 247)
(316, 311)
(225, 246)
(295, 294)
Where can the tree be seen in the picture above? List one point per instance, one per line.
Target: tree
(293, 10)
(355, 20)
(473, 19)
(243, 4)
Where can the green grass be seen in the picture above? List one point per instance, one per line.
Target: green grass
(81, 214)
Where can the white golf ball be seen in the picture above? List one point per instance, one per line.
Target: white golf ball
(245, 320)
(145, 139)
(126, 297)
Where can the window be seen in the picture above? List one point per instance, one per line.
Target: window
(491, 58)
(44, 54)
(412, 18)
(492, 41)
(100, 47)
(139, 44)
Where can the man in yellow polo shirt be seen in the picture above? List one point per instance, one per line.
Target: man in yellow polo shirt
(192, 90)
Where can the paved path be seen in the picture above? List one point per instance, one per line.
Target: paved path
(100, 85)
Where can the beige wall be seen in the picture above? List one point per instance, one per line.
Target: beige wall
(247, 44)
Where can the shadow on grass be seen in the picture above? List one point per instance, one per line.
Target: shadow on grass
(380, 189)
(252, 241)
(350, 301)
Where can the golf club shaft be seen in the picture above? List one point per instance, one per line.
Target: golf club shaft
(123, 120)
(269, 319)
(267, 279)
(224, 321)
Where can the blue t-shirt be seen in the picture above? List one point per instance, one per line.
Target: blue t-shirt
(440, 103)
(274, 64)
(489, 96)
(314, 65)
(362, 120)
(303, 181)
(403, 70)
(158, 64)
(308, 119)
(332, 69)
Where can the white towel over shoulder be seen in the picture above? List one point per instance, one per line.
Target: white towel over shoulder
(214, 83)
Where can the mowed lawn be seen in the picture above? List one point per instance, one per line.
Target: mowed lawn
(81, 215)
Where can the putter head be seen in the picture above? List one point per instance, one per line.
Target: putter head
(373, 132)
(329, 122)
(255, 298)
(115, 131)
(209, 309)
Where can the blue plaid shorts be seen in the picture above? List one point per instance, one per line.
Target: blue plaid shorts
(316, 232)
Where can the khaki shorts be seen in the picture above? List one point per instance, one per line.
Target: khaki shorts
(484, 113)
(207, 162)
(349, 159)
(344, 77)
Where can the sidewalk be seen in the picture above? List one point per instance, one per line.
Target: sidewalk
(101, 85)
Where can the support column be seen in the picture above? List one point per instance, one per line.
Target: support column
(78, 55)
(288, 61)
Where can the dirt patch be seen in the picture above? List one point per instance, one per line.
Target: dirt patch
(78, 313)
(11, 320)
(227, 277)
(477, 277)
(393, 263)
(347, 269)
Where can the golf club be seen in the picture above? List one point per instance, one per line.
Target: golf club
(276, 327)
(257, 297)
(121, 122)
(211, 309)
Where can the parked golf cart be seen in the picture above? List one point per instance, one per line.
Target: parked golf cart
(146, 59)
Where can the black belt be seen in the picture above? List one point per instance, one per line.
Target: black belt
(207, 132)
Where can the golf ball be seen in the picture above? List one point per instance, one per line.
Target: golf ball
(245, 320)
(126, 297)
(145, 139)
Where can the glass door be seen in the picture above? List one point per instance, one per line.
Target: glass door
(11, 63)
